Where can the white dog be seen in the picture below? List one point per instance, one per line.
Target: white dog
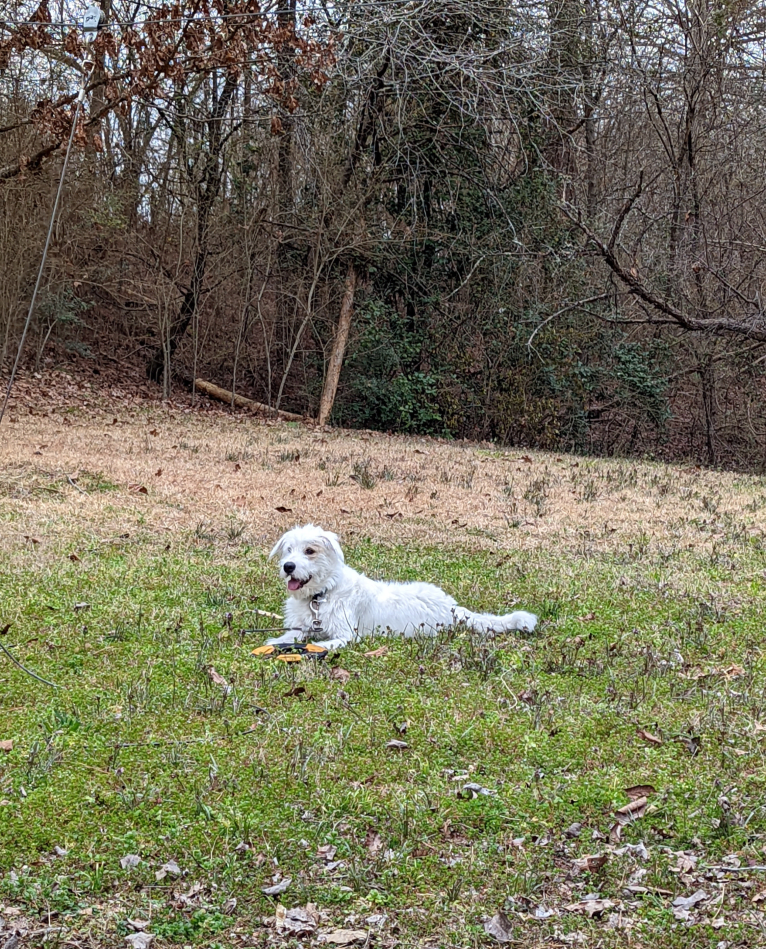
(332, 604)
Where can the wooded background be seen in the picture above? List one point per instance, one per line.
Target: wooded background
(541, 223)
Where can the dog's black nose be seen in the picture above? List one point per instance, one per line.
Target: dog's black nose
(289, 567)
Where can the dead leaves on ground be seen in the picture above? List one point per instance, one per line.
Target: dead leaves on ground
(170, 868)
(640, 790)
(396, 745)
(276, 889)
(591, 908)
(301, 922)
(217, 678)
(298, 921)
(377, 653)
(344, 937)
(373, 843)
(730, 672)
(648, 736)
(500, 927)
(632, 811)
(590, 863)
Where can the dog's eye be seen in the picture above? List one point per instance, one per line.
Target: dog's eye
(309, 551)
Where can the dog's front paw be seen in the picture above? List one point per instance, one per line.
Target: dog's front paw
(289, 637)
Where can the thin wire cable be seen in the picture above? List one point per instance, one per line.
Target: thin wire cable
(80, 100)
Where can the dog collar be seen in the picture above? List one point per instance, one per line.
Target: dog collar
(316, 599)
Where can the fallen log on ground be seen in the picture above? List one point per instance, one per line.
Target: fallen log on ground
(223, 395)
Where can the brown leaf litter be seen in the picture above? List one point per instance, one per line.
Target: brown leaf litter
(434, 483)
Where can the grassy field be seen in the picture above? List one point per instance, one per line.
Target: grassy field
(599, 783)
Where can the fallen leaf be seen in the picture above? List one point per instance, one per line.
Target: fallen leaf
(216, 677)
(283, 510)
(683, 904)
(343, 937)
(377, 653)
(635, 850)
(686, 902)
(171, 868)
(296, 690)
(590, 907)
(79, 607)
(6, 744)
(74, 558)
(687, 862)
(374, 843)
(158, 473)
(299, 921)
(327, 852)
(138, 488)
(632, 811)
(153, 432)
(396, 745)
(574, 830)
(340, 675)
(648, 736)
(590, 862)
(542, 912)
(499, 927)
(129, 860)
(640, 790)
(277, 888)
(472, 790)
(626, 815)
(140, 940)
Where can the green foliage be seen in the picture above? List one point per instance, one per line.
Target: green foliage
(147, 758)
(62, 306)
(384, 386)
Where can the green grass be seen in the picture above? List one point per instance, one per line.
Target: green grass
(138, 751)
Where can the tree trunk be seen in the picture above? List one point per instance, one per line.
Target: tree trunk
(230, 398)
(338, 347)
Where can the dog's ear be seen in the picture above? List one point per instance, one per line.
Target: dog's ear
(278, 547)
(332, 542)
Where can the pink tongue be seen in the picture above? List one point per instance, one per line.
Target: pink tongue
(293, 584)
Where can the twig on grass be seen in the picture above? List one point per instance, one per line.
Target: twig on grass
(265, 613)
(29, 672)
(77, 486)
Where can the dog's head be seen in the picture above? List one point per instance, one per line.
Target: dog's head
(308, 559)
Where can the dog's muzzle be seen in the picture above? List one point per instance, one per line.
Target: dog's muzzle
(294, 584)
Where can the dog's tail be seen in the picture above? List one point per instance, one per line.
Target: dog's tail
(486, 622)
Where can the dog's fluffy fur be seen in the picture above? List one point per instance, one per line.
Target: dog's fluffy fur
(311, 562)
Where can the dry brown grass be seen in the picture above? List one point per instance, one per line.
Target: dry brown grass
(211, 467)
